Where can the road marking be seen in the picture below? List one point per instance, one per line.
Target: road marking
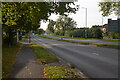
(95, 53)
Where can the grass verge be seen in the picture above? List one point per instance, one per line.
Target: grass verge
(86, 43)
(86, 38)
(8, 58)
(43, 55)
(59, 72)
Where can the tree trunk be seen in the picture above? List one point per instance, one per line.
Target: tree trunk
(10, 37)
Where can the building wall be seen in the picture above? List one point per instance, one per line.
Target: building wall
(114, 25)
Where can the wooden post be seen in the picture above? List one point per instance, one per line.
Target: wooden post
(17, 36)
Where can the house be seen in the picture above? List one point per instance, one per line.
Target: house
(114, 25)
(105, 28)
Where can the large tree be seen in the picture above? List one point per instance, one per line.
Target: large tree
(51, 26)
(65, 24)
(108, 7)
(17, 16)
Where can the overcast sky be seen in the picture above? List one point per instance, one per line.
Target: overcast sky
(94, 16)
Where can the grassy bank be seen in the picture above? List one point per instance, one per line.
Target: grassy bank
(86, 38)
(59, 72)
(8, 58)
(43, 55)
(86, 43)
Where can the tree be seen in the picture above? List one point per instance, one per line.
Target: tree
(96, 26)
(64, 24)
(77, 33)
(40, 31)
(51, 26)
(18, 16)
(107, 8)
(96, 33)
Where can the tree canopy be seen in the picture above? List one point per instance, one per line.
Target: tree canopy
(18, 16)
(65, 23)
(109, 7)
(28, 14)
(62, 25)
(51, 26)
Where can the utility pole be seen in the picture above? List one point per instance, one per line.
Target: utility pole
(85, 21)
(102, 19)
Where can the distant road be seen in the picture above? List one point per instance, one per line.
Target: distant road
(95, 62)
(88, 40)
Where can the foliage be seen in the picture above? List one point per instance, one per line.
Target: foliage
(43, 55)
(94, 32)
(105, 34)
(64, 24)
(114, 35)
(40, 31)
(25, 16)
(59, 72)
(96, 26)
(30, 13)
(77, 33)
(108, 8)
(51, 26)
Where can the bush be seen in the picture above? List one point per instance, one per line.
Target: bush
(97, 33)
(60, 33)
(76, 33)
(89, 33)
(9, 41)
(40, 31)
(114, 35)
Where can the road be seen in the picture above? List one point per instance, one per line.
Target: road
(95, 62)
(87, 40)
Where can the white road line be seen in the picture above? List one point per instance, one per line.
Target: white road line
(30, 73)
(95, 53)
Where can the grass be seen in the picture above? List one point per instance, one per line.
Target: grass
(59, 72)
(23, 36)
(111, 39)
(8, 58)
(43, 55)
(87, 38)
(86, 43)
(45, 37)
(72, 66)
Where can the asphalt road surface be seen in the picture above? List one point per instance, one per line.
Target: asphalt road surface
(87, 40)
(95, 62)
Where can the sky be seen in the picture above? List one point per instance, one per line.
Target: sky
(94, 16)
